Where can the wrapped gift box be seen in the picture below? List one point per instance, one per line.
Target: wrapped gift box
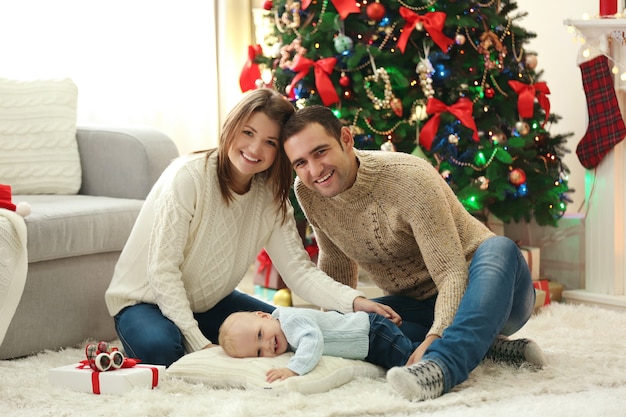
(118, 381)
(265, 274)
(540, 299)
(556, 291)
(562, 248)
(266, 294)
(543, 285)
(533, 258)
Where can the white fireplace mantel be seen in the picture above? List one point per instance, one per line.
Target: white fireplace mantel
(605, 223)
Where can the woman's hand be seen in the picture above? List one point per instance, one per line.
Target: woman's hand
(369, 306)
(278, 374)
(419, 352)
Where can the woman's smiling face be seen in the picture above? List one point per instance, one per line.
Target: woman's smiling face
(254, 149)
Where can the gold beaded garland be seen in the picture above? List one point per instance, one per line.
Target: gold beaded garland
(379, 103)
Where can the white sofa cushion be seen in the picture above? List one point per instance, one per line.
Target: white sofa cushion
(63, 226)
(38, 148)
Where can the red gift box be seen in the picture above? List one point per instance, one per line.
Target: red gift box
(117, 381)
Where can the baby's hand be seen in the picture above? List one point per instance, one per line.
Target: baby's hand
(278, 374)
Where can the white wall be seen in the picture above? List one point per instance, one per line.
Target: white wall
(557, 51)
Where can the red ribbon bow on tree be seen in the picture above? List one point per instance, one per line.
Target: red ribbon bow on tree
(344, 7)
(323, 83)
(526, 98)
(462, 109)
(433, 23)
(251, 71)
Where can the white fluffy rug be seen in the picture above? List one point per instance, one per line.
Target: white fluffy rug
(585, 376)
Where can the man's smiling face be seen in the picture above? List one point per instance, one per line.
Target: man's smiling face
(320, 161)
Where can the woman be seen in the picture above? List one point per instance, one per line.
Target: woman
(200, 229)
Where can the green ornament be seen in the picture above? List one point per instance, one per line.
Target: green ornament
(343, 43)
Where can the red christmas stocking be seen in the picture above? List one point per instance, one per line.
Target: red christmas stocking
(606, 127)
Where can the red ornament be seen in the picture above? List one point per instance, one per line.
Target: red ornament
(267, 4)
(344, 81)
(517, 177)
(396, 106)
(489, 92)
(376, 11)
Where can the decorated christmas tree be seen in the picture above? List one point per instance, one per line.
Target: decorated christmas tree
(447, 80)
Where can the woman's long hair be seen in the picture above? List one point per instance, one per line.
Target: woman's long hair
(280, 174)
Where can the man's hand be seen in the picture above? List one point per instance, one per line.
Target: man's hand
(419, 352)
(278, 374)
(369, 306)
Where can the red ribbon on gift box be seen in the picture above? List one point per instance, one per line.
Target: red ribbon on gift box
(95, 378)
(265, 264)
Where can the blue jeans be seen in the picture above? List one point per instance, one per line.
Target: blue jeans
(499, 299)
(148, 335)
(417, 316)
(388, 346)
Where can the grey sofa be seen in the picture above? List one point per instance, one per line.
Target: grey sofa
(74, 241)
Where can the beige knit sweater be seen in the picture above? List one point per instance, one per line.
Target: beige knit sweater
(403, 225)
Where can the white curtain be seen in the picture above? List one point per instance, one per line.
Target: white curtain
(135, 62)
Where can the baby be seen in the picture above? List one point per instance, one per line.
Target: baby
(312, 333)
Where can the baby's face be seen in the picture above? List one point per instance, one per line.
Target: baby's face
(259, 335)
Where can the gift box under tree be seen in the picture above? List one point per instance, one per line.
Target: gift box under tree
(266, 275)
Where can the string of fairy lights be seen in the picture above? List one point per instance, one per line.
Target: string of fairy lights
(614, 34)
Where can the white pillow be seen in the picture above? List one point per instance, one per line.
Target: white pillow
(38, 148)
(215, 368)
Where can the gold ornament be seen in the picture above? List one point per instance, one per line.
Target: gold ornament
(531, 61)
(522, 128)
(282, 298)
(483, 182)
(499, 138)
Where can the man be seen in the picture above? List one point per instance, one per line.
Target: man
(458, 288)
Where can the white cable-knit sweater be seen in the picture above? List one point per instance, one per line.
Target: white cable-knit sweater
(188, 249)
